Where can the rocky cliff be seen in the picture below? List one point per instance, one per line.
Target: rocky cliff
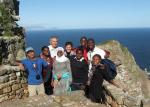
(11, 34)
(129, 76)
(13, 80)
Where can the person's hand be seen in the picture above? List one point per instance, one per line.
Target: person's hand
(88, 83)
(55, 83)
(124, 90)
(102, 66)
(54, 58)
(52, 83)
(82, 87)
(58, 76)
(21, 67)
(26, 91)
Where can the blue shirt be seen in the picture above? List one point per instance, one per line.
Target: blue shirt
(34, 67)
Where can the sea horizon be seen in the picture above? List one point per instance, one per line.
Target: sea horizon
(55, 29)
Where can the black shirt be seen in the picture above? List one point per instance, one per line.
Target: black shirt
(95, 90)
(79, 70)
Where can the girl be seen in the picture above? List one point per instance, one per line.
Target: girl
(47, 72)
(61, 72)
(94, 89)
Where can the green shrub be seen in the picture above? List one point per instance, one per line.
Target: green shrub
(6, 20)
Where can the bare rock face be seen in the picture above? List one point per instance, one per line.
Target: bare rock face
(73, 99)
(11, 49)
(11, 34)
(130, 76)
(13, 83)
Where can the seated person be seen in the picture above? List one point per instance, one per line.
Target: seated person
(79, 69)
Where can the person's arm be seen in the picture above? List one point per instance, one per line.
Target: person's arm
(55, 79)
(86, 66)
(69, 69)
(114, 83)
(44, 63)
(21, 66)
(68, 66)
(108, 78)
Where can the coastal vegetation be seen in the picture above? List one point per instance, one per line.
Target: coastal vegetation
(5, 20)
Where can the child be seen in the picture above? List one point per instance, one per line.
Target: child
(61, 72)
(79, 68)
(94, 89)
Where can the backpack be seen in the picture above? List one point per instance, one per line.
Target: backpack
(111, 67)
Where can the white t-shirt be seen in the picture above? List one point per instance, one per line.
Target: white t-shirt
(94, 52)
(53, 51)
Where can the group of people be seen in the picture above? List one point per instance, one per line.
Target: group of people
(59, 70)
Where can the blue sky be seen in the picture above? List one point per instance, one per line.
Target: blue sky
(76, 14)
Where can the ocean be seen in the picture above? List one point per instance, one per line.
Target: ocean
(137, 40)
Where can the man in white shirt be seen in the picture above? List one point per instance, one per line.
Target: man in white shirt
(53, 46)
(93, 50)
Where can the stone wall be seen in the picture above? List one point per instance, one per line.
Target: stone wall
(10, 49)
(12, 82)
(12, 44)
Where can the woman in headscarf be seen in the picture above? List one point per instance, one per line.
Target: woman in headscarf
(61, 73)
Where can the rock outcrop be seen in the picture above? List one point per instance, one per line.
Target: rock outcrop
(13, 83)
(129, 76)
(11, 34)
(129, 73)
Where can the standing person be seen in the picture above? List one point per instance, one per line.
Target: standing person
(47, 72)
(83, 46)
(94, 89)
(61, 73)
(53, 46)
(92, 51)
(69, 51)
(33, 67)
(79, 69)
